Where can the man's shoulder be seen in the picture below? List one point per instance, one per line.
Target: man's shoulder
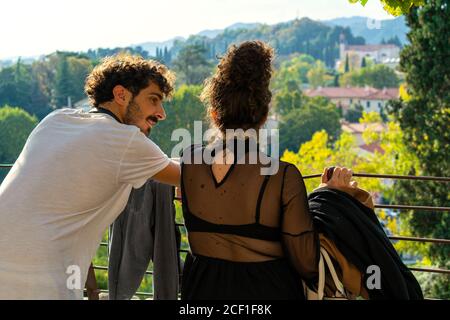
(65, 111)
(79, 116)
(65, 114)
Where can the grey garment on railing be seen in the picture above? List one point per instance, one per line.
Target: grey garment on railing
(145, 231)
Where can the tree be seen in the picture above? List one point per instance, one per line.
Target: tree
(166, 56)
(70, 74)
(395, 7)
(347, 65)
(336, 80)
(42, 76)
(299, 124)
(424, 116)
(78, 68)
(25, 85)
(15, 85)
(184, 108)
(293, 71)
(287, 100)
(192, 65)
(363, 62)
(378, 76)
(317, 76)
(63, 82)
(354, 113)
(395, 41)
(317, 152)
(15, 126)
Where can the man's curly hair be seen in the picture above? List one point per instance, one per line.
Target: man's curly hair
(132, 72)
(238, 94)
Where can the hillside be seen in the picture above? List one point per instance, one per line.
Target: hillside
(370, 30)
(301, 35)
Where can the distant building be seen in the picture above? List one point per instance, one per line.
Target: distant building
(369, 98)
(388, 54)
(357, 129)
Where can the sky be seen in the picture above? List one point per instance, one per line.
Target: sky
(34, 27)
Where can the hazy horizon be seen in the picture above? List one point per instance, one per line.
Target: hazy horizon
(45, 26)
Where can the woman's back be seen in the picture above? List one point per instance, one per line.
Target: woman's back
(244, 216)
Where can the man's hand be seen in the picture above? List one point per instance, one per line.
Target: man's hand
(341, 178)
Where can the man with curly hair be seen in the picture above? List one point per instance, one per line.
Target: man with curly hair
(74, 177)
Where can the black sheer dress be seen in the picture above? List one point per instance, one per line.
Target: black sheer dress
(251, 235)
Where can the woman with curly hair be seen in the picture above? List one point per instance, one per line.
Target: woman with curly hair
(251, 235)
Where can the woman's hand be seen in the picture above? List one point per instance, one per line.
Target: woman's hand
(341, 178)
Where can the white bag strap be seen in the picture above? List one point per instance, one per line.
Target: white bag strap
(337, 282)
(321, 284)
(319, 295)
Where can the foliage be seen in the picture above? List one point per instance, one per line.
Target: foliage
(311, 115)
(96, 55)
(318, 76)
(293, 73)
(298, 36)
(15, 126)
(395, 7)
(45, 84)
(377, 76)
(354, 113)
(319, 152)
(71, 72)
(287, 100)
(424, 115)
(182, 111)
(393, 40)
(191, 64)
(24, 85)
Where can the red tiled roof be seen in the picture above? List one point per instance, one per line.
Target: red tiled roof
(369, 47)
(353, 92)
(357, 127)
(385, 94)
(372, 148)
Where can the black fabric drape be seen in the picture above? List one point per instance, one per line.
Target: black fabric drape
(358, 234)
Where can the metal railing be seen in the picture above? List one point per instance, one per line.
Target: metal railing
(377, 206)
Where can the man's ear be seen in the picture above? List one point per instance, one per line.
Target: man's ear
(122, 96)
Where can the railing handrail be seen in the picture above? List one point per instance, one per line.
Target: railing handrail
(387, 176)
(355, 174)
(378, 206)
(406, 207)
(397, 206)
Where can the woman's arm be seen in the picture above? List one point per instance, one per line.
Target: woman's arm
(299, 236)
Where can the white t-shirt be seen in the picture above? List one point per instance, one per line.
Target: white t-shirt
(70, 182)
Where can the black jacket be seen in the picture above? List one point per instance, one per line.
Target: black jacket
(358, 234)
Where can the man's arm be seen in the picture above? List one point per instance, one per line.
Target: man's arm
(170, 174)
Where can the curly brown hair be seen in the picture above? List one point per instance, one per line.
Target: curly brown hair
(132, 72)
(238, 95)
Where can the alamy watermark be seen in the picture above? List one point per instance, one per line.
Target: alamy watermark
(233, 145)
(73, 281)
(373, 281)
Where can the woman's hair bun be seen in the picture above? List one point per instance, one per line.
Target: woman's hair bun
(238, 94)
(249, 62)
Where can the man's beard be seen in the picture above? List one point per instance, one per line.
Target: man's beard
(134, 114)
